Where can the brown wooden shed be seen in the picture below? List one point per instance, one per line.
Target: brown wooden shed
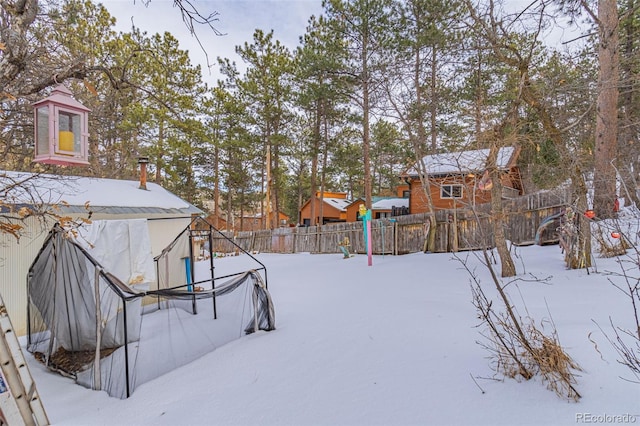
(334, 208)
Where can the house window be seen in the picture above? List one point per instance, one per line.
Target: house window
(451, 191)
(406, 193)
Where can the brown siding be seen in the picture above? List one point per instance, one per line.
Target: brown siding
(328, 212)
(352, 211)
(418, 200)
(329, 194)
(400, 190)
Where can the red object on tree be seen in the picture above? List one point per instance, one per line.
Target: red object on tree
(590, 214)
(615, 234)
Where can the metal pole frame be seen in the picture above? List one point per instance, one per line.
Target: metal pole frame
(213, 278)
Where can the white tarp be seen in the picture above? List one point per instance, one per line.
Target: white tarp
(122, 247)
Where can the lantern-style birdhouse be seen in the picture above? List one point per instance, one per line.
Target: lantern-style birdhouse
(61, 129)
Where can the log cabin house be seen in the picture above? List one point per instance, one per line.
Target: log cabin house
(460, 179)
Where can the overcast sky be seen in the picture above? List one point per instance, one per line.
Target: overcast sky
(238, 19)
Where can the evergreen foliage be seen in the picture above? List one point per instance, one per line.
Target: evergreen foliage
(373, 86)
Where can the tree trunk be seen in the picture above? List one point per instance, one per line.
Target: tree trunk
(216, 185)
(578, 184)
(433, 104)
(628, 164)
(323, 173)
(366, 143)
(497, 211)
(229, 226)
(266, 215)
(314, 164)
(365, 152)
(419, 149)
(275, 189)
(604, 193)
(479, 97)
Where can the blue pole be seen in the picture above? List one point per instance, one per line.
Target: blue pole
(187, 266)
(367, 234)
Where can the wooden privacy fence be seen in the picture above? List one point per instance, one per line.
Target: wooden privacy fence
(459, 229)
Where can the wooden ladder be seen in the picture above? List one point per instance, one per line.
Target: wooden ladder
(20, 403)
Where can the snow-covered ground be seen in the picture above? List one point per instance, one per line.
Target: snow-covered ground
(390, 344)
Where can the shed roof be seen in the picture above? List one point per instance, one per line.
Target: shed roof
(388, 203)
(339, 203)
(464, 161)
(108, 196)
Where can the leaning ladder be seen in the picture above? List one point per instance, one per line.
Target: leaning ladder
(19, 400)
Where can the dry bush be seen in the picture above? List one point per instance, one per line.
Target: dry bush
(518, 348)
(554, 365)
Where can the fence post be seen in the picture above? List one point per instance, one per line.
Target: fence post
(382, 236)
(394, 229)
(318, 238)
(295, 240)
(455, 227)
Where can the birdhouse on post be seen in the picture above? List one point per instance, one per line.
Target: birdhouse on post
(61, 129)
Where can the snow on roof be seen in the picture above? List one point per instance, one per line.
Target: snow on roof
(29, 188)
(388, 203)
(463, 161)
(339, 203)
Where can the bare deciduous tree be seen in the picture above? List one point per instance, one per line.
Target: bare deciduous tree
(506, 49)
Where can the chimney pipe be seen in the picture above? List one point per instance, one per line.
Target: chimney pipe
(143, 161)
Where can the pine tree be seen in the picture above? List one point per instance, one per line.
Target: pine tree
(363, 26)
(321, 94)
(266, 89)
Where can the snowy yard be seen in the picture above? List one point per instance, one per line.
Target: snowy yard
(391, 344)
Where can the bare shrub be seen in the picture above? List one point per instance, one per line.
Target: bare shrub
(610, 247)
(555, 366)
(625, 340)
(518, 348)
